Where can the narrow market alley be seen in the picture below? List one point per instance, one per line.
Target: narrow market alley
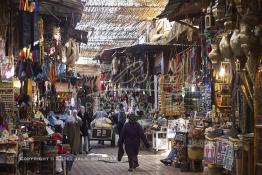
(130, 87)
(105, 157)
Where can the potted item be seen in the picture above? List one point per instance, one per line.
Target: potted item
(235, 43)
(225, 48)
(247, 38)
(214, 55)
(195, 153)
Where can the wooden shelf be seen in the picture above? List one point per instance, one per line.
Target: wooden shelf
(224, 106)
(259, 164)
(259, 126)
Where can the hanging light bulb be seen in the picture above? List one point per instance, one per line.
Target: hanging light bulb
(183, 92)
(193, 88)
(222, 72)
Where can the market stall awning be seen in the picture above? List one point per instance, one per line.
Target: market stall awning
(108, 54)
(61, 8)
(181, 9)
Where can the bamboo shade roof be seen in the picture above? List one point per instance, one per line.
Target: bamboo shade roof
(115, 23)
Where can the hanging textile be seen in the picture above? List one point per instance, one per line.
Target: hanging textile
(221, 151)
(41, 39)
(229, 157)
(178, 70)
(25, 25)
(52, 74)
(2, 49)
(210, 153)
(7, 72)
(4, 20)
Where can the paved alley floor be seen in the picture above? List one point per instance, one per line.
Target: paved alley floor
(102, 160)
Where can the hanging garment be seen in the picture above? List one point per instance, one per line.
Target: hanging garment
(41, 40)
(7, 72)
(72, 52)
(221, 151)
(52, 74)
(29, 69)
(25, 25)
(229, 157)
(210, 153)
(22, 69)
(4, 16)
(115, 66)
(61, 69)
(35, 32)
(171, 65)
(2, 49)
(178, 70)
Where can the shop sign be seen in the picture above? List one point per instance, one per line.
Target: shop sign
(101, 133)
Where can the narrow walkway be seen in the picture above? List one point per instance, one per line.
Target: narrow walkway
(103, 161)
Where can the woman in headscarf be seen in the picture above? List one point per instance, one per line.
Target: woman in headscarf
(131, 135)
(72, 131)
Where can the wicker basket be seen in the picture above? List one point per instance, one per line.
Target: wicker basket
(50, 151)
(67, 147)
(10, 158)
(195, 153)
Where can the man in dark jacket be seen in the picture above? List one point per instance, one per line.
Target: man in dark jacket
(131, 134)
(84, 129)
(121, 118)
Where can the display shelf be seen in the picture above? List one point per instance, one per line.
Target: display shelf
(259, 126)
(7, 96)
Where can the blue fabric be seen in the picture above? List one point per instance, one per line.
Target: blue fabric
(121, 118)
(171, 155)
(51, 118)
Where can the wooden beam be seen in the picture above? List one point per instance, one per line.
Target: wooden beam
(126, 7)
(186, 24)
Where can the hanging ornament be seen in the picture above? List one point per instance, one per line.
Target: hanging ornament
(208, 18)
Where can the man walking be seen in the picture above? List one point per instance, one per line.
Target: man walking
(85, 147)
(121, 118)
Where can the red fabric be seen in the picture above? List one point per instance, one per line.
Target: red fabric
(100, 85)
(57, 136)
(60, 149)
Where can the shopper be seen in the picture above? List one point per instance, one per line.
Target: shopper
(100, 114)
(85, 147)
(131, 134)
(121, 118)
(72, 131)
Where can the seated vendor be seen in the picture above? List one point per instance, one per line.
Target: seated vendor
(172, 154)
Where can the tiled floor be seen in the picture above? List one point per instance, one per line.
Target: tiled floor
(103, 161)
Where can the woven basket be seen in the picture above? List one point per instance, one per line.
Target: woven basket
(50, 151)
(195, 153)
